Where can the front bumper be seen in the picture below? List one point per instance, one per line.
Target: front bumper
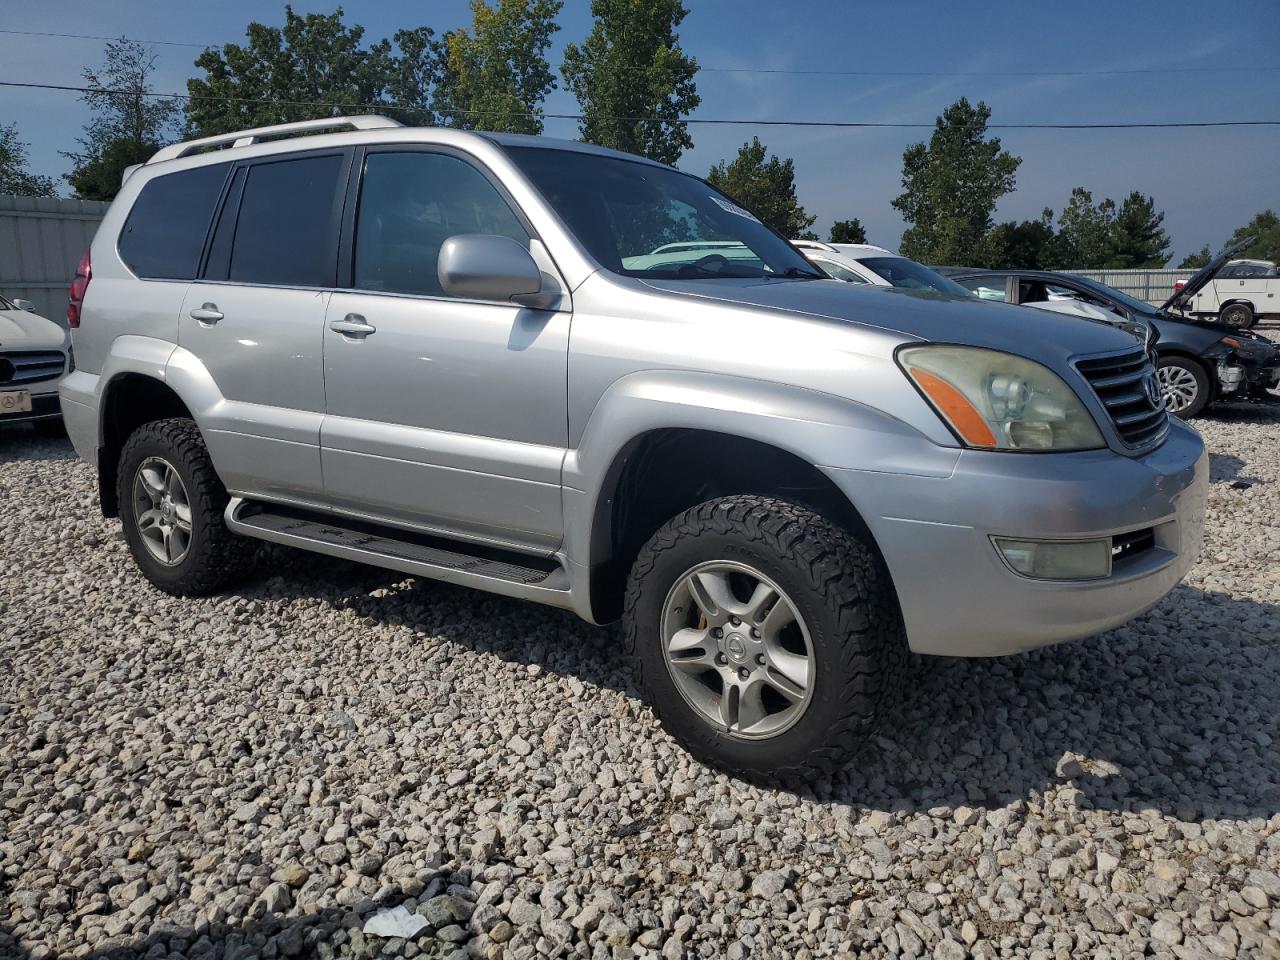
(44, 402)
(960, 599)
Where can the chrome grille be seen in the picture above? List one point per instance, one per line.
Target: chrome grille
(1121, 382)
(30, 366)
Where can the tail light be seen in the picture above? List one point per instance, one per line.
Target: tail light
(79, 285)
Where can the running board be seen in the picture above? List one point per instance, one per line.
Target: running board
(515, 575)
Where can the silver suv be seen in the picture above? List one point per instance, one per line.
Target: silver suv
(457, 355)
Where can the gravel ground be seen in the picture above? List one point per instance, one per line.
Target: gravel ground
(257, 773)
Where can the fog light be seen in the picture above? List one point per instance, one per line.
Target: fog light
(1057, 559)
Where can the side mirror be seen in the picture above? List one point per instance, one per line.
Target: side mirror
(478, 266)
(26, 305)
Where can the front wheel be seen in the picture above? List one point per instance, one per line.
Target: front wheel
(1238, 315)
(170, 504)
(767, 639)
(1185, 384)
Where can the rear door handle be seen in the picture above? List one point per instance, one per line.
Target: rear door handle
(353, 326)
(207, 313)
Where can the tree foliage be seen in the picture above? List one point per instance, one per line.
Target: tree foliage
(1084, 231)
(1138, 238)
(1265, 230)
(314, 66)
(632, 79)
(765, 185)
(496, 76)
(15, 178)
(129, 123)
(1028, 245)
(1106, 236)
(1194, 261)
(951, 186)
(847, 231)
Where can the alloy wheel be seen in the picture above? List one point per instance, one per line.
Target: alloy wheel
(1179, 386)
(162, 510)
(738, 650)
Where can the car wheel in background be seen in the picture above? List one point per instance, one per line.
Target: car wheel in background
(171, 503)
(767, 639)
(1185, 384)
(1238, 315)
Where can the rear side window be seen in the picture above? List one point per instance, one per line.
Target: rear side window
(287, 230)
(165, 231)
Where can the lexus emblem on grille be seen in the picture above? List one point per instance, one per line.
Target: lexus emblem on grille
(7, 371)
(1154, 392)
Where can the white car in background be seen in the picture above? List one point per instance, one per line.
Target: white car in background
(864, 263)
(1240, 294)
(34, 354)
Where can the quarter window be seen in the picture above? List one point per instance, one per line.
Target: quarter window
(410, 204)
(167, 225)
(287, 229)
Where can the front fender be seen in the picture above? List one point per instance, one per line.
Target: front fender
(821, 429)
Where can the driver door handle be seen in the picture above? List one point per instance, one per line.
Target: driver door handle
(353, 326)
(207, 314)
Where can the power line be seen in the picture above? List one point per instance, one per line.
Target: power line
(706, 121)
(1240, 68)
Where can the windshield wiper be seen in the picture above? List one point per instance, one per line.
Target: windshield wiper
(796, 273)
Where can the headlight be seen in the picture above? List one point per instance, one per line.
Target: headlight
(997, 401)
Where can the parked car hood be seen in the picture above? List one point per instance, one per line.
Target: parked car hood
(913, 313)
(21, 330)
(1205, 274)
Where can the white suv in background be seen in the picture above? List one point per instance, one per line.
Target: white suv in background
(1240, 294)
(864, 263)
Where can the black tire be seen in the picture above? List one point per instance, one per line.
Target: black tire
(215, 557)
(837, 583)
(1238, 315)
(53, 429)
(1199, 374)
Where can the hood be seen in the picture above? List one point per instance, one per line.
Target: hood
(1205, 274)
(20, 330)
(1044, 336)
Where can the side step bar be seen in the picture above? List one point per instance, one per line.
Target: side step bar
(543, 580)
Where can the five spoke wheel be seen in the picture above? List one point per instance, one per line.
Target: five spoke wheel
(163, 510)
(738, 650)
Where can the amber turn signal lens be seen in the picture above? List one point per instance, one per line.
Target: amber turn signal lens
(960, 413)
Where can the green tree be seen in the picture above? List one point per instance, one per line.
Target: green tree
(15, 178)
(1265, 230)
(1028, 245)
(496, 76)
(314, 66)
(1084, 232)
(1194, 261)
(951, 186)
(632, 79)
(129, 122)
(847, 231)
(766, 187)
(1138, 238)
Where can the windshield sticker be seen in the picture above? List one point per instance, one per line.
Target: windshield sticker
(734, 208)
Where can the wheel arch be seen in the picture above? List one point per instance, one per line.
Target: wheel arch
(130, 399)
(664, 442)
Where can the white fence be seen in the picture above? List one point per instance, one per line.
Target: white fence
(41, 241)
(1153, 286)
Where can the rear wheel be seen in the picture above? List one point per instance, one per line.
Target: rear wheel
(766, 638)
(1238, 315)
(170, 504)
(1185, 384)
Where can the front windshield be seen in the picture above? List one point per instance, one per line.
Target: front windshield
(642, 220)
(1133, 303)
(901, 272)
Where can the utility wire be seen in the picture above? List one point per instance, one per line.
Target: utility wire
(1240, 68)
(706, 121)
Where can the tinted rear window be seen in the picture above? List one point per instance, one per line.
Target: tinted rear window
(165, 232)
(287, 229)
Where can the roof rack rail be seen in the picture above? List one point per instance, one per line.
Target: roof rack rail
(244, 138)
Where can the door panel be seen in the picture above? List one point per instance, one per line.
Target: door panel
(451, 415)
(264, 355)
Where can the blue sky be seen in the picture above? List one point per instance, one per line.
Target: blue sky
(1208, 181)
